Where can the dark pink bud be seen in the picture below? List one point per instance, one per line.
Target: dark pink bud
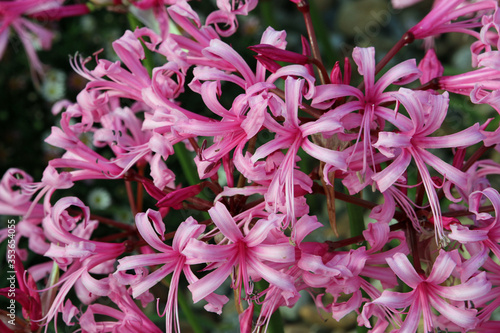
(153, 191)
(336, 75)
(174, 199)
(269, 64)
(278, 54)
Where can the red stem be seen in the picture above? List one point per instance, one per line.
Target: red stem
(303, 7)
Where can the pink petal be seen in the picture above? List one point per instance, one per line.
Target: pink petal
(209, 283)
(274, 277)
(219, 49)
(391, 174)
(365, 60)
(333, 157)
(400, 265)
(465, 318)
(474, 288)
(225, 222)
(274, 252)
(395, 300)
(443, 266)
(403, 73)
(464, 235)
(304, 226)
(152, 279)
(150, 235)
(199, 252)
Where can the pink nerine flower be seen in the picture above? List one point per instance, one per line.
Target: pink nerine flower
(427, 113)
(149, 225)
(250, 254)
(428, 292)
(371, 114)
(130, 318)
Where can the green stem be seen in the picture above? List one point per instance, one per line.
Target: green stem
(192, 319)
(276, 323)
(187, 164)
(356, 220)
(189, 169)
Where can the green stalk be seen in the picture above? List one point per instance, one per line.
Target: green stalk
(188, 312)
(276, 323)
(187, 164)
(356, 220)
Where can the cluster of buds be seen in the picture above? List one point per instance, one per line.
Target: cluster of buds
(246, 201)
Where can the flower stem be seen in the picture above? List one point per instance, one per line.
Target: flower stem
(414, 248)
(458, 213)
(116, 224)
(406, 39)
(130, 196)
(475, 157)
(304, 8)
(140, 189)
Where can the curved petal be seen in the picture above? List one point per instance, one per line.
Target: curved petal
(225, 222)
(152, 279)
(259, 232)
(457, 177)
(465, 138)
(395, 300)
(186, 230)
(402, 73)
(332, 91)
(209, 283)
(365, 59)
(465, 318)
(197, 252)
(142, 221)
(390, 174)
(335, 158)
(443, 266)
(274, 252)
(464, 235)
(221, 50)
(142, 260)
(400, 265)
(274, 277)
(474, 288)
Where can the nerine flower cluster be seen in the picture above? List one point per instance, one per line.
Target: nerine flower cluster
(437, 234)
